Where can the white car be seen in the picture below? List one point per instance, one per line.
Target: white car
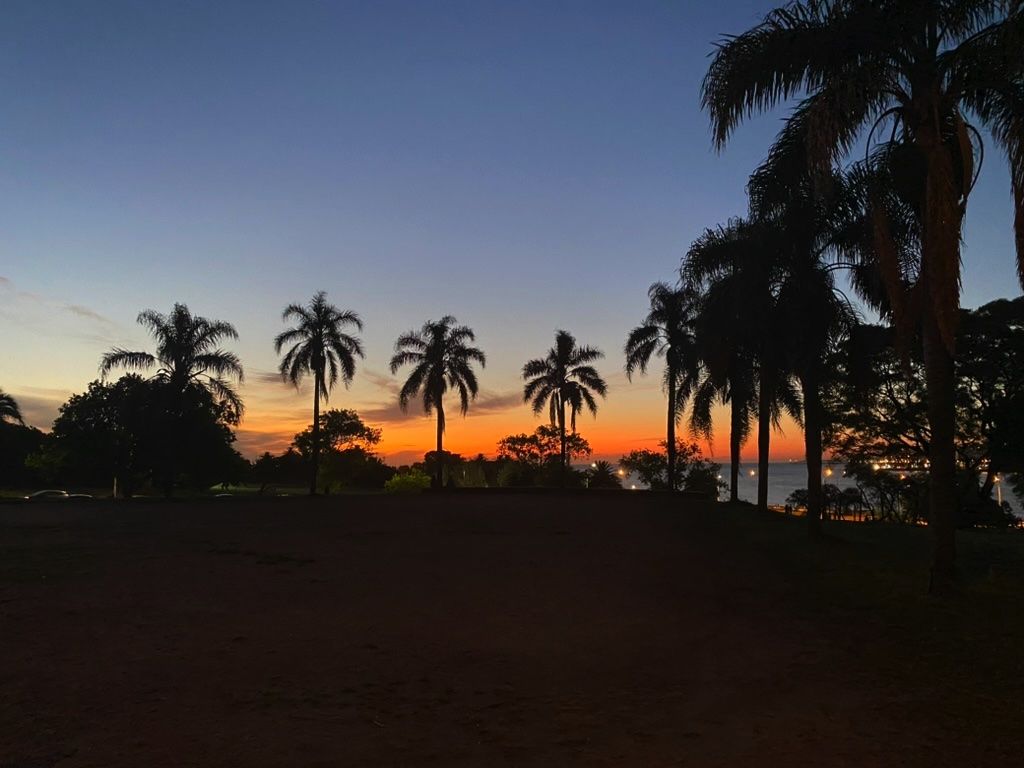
(50, 495)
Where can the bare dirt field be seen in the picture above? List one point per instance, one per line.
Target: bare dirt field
(479, 630)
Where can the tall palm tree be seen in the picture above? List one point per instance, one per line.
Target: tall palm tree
(818, 220)
(9, 410)
(188, 353)
(318, 346)
(736, 269)
(668, 331)
(564, 377)
(917, 72)
(732, 386)
(442, 359)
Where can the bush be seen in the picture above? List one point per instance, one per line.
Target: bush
(412, 481)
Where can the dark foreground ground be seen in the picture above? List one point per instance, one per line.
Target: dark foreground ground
(496, 630)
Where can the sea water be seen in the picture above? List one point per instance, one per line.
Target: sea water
(784, 477)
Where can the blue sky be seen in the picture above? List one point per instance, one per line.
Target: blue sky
(524, 166)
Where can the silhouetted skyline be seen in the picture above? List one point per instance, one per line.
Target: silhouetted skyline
(524, 168)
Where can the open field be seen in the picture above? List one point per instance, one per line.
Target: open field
(476, 630)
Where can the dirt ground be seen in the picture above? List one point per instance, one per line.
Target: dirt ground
(452, 631)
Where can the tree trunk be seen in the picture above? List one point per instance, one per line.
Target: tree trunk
(764, 436)
(439, 481)
(942, 503)
(735, 428)
(316, 433)
(671, 441)
(812, 452)
(561, 434)
(989, 484)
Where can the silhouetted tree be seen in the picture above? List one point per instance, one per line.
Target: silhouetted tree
(914, 72)
(712, 268)
(602, 475)
(188, 357)
(535, 459)
(319, 346)
(17, 443)
(739, 268)
(564, 377)
(878, 406)
(118, 431)
(9, 410)
(339, 430)
(542, 446)
(668, 331)
(694, 472)
(442, 359)
(187, 352)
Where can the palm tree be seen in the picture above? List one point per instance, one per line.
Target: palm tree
(915, 72)
(736, 269)
(602, 475)
(668, 331)
(564, 377)
(814, 215)
(319, 346)
(9, 410)
(733, 385)
(187, 354)
(442, 359)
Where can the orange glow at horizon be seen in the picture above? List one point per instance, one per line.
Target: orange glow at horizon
(614, 433)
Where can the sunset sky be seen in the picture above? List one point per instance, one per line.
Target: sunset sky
(522, 166)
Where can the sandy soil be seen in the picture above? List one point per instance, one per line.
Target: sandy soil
(467, 631)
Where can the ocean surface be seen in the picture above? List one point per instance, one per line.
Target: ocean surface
(784, 477)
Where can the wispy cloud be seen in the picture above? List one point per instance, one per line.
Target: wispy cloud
(389, 411)
(269, 378)
(86, 313)
(382, 381)
(496, 402)
(252, 442)
(39, 405)
(41, 314)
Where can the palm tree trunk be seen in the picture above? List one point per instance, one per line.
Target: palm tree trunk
(439, 479)
(314, 472)
(812, 451)
(561, 434)
(939, 378)
(764, 436)
(177, 416)
(735, 428)
(671, 436)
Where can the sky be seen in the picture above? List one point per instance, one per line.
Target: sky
(524, 166)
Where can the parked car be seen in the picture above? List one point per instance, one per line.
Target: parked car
(50, 495)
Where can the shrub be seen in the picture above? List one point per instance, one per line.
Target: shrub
(412, 481)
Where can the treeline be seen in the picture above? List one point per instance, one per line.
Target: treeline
(876, 403)
(347, 461)
(174, 429)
